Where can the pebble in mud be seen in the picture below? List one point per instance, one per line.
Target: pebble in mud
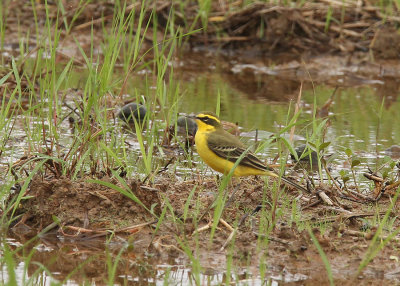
(132, 111)
(106, 203)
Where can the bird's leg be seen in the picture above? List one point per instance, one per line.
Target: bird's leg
(231, 198)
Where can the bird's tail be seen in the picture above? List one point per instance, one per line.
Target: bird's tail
(294, 184)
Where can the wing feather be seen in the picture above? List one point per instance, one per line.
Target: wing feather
(229, 147)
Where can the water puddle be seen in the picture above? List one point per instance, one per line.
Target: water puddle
(80, 263)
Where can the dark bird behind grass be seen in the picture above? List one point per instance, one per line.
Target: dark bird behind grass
(303, 155)
(132, 111)
(186, 126)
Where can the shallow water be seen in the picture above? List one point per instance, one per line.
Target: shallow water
(363, 115)
(257, 96)
(56, 260)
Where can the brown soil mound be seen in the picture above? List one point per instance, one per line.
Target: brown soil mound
(85, 204)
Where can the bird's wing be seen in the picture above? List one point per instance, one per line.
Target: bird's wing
(231, 148)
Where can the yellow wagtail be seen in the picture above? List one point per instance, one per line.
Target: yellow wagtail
(220, 150)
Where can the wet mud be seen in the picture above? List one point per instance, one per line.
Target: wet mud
(88, 214)
(83, 204)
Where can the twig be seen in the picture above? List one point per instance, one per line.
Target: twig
(230, 237)
(132, 228)
(227, 225)
(321, 193)
(332, 179)
(392, 186)
(93, 22)
(368, 235)
(344, 217)
(312, 204)
(271, 238)
(373, 177)
(203, 228)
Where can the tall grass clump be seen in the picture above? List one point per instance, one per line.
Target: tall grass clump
(100, 85)
(161, 95)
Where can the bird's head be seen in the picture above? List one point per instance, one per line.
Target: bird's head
(207, 121)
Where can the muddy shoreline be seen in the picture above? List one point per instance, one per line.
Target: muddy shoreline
(88, 212)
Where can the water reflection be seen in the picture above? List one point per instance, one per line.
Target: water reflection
(49, 260)
(91, 261)
(389, 92)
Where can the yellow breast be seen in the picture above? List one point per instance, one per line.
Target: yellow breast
(219, 164)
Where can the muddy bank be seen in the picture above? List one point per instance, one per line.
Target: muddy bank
(277, 79)
(253, 45)
(87, 211)
(85, 204)
(258, 28)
